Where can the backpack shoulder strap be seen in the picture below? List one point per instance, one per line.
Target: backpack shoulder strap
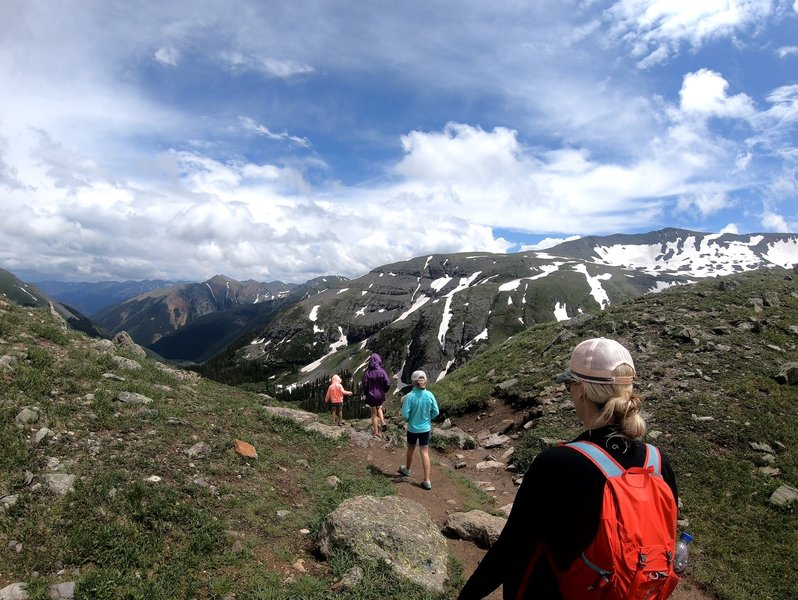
(653, 458)
(600, 457)
(608, 465)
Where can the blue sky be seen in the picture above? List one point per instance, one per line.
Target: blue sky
(284, 140)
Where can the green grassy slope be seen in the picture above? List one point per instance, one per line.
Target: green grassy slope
(145, 519)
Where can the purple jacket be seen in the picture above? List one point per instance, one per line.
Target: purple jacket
(375, 381)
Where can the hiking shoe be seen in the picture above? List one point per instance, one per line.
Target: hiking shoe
(384, 427)
(426, 485)
(404, 471)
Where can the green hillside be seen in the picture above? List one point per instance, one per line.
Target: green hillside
(151, 515)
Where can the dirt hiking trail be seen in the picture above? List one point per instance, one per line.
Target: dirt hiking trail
(445, 496)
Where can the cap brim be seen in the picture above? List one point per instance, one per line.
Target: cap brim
(564, 377)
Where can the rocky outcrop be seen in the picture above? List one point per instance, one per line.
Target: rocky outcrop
(125, 343)
(391, 529)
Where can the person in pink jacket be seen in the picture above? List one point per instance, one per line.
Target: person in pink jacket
(335, 396)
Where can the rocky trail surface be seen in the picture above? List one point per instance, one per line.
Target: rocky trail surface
(445, 498)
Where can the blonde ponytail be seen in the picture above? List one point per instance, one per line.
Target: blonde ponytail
(619, 405)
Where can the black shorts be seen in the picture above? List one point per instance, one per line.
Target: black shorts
(421, 438)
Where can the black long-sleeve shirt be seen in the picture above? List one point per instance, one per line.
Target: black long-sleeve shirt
(559, 503)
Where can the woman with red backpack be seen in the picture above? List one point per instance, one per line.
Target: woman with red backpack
(561, 538)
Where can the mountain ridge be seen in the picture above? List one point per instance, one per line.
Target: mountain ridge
(431, 311)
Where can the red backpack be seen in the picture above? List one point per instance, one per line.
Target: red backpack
(631, 557)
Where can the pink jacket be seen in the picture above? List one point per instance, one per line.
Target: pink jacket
(336, 392)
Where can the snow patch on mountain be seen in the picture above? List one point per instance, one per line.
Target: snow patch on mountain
(342, 342)
(465, 282)
(596, 290)
(561, 311)
(783, 252)
(706, 256)
(547, 270)
(420, 301)
(440, 283)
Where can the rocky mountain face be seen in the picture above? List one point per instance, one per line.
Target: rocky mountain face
(90, 298)
(155, 314)
(193, 322)
(435, 312)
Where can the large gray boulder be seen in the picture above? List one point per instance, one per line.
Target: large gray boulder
(391, 529)
(476, 525)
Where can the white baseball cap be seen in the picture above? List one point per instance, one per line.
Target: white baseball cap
(595, 360)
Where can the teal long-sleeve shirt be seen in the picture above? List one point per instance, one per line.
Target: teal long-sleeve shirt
(419, 407)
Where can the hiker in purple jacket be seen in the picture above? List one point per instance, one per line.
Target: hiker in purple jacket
(374, 384)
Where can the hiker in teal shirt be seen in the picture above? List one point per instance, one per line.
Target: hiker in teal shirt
(419, 407)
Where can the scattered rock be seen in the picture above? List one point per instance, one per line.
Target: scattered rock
(41, 434)
(126, 363)
(133, 398)
(456, 436)
(179, 374)
(15, 591)
(199, 450)
(771, 299)
(7, 502)
(784, 496)
(788, 374)
(104, 346)
(769, 471)
(59, 483)
(506, 385)
(27, 416)
(494, 440)
(245, 449)
(503, 427)
(489, 464)
(62, 591)
(475, 525)
(762, 447)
